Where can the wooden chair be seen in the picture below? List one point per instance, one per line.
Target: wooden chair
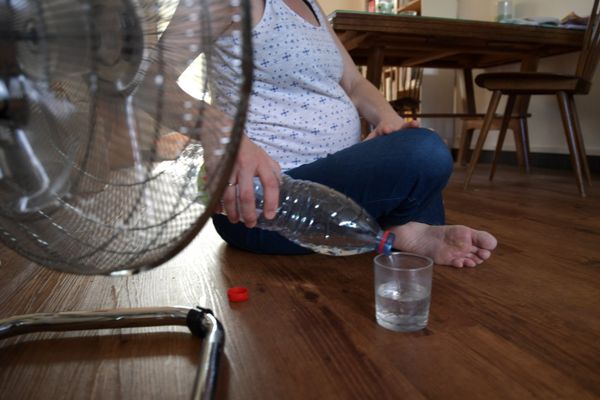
(408, 94)
(564, 87)
(470, 123)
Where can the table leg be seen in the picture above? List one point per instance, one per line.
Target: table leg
(470, 107)
(374, 71)
(375, 66)
(469, 91)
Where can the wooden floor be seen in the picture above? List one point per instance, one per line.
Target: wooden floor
(524, 325)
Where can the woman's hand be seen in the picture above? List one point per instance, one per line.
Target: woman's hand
(387, 126)
(251, 161)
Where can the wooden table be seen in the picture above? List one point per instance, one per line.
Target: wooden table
(378, 40)
(525, 325)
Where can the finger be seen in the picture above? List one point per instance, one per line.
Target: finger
(219, 208)
(410, 124)
(276, 168)
(270, 183)
(389, 128)
(246, 198)
(371, 135)
(414, 123)
(229, 201)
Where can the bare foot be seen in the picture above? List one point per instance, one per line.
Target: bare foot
(455, 245)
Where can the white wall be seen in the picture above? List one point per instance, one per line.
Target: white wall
(330, 6)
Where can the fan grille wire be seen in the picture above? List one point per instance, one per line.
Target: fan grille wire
(101, 79)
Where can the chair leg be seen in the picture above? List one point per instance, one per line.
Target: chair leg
(485, 129)
(579, 141)
(510, 104)
(464, 145)
(524, 137)
(567, 118)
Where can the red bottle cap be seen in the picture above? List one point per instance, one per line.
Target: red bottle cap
(237, 294)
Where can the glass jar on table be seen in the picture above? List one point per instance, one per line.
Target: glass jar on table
(504, 10)
(385, 6)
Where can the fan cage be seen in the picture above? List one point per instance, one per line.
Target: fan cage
(113, 168)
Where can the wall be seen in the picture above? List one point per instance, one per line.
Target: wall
(330, 6)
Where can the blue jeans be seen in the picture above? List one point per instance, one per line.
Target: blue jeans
(397, 178)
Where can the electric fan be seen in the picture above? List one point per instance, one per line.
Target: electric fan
(91, 94)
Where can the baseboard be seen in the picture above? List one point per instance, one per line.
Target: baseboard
(537, 160)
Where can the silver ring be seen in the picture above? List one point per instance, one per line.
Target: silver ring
(229, 184)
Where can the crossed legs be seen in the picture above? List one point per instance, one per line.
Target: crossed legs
(398, 179)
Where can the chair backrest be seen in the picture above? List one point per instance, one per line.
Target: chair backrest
(411, 79)
(590, 53)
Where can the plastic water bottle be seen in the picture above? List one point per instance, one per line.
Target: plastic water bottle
(322, 219)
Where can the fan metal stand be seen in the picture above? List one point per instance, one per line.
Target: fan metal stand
(200, 321)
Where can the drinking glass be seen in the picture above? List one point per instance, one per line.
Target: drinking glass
(402, 291)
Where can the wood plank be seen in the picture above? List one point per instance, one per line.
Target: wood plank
(352, 40)
(493, 32)
(478, 44)
(523, 325)
(415, 61)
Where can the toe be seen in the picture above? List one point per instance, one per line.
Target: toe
(458, 262)
(484, 240)
(483, 254)
(475, 258)
(468, 262)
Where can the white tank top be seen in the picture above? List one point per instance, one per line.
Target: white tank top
(298, 111)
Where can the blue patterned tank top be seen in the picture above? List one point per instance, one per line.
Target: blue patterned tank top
(298, 111)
